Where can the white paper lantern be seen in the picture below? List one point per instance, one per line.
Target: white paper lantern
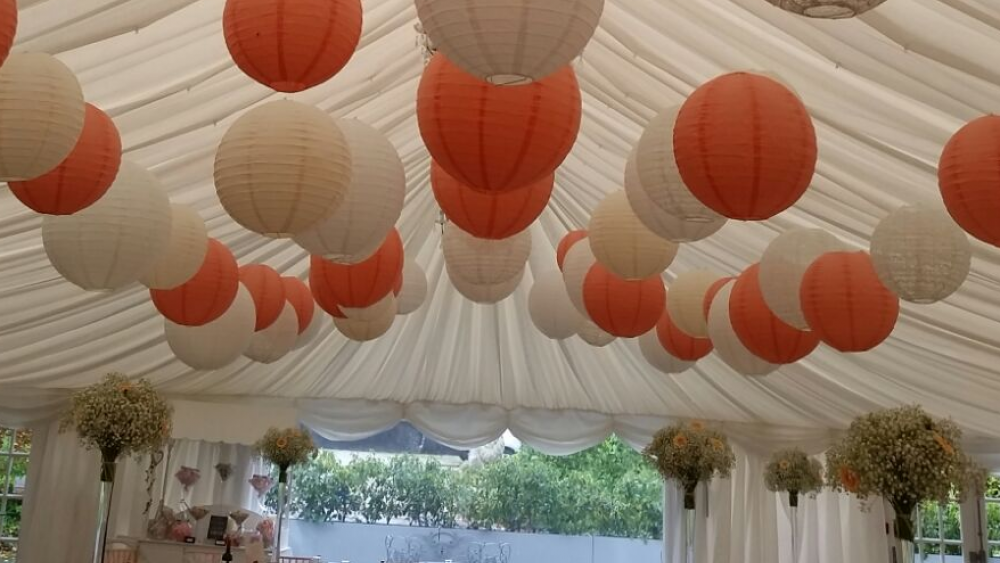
(623, 244)
(185, 250)
(727, 344)
(486, 294)
(373, 203)
(827, 9)
(282, 168)
(115, 241)
(376, 311)
(658, 357)
(578, 262)
(274, 342)
(550, 308)
(42, 112)
(367, 330)
(508, 41)
(593, 335)
(781, 268)
(920, 254)
(218, 343)
(686, 301)
(414, 291)
(312, 331)
(485, 262)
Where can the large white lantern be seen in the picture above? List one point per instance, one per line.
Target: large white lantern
(623, 244)
(827, 9)
(482, 261)
(115, 241)
(550, 308)
(311, 332)
(369, 329)
(686, 301)
(274, 342)
(727, 344)
(185, 250)
(414, 291)
(42, 111)
(373, 203)
(378, 310)
(509, 41)
(577, 264)
(593, 335)
(486, 294)
(281, 168)
(218, 343)
(782, 266)
(658, 357)
(920, 254)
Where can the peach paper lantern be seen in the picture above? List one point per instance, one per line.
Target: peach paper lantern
(761, 331)
(578, 262)
(676, 342)
(594, 336)
(207, 295)
(292, 46)
(298, 294)
(566, 243)
(969, 178)
(687, 301)
(623, 244)
(369, 326)
(781, 268)
(483, 261)
(218, 343)
(728, 345)
(268, 291)
(414, 290)
(551, 311)
(659, 357)
(362, 284)
(274, 342)
(745, 146)
(485, 294)
(623, 308)
(185, 250)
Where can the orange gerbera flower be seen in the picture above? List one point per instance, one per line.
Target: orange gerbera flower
(850, 479)
(697, 425)
(718, 445)
(125, 387)
(680, 441)
(784, 465)
(945, 444)
(282, 443)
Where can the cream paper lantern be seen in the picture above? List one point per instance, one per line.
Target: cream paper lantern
(553, 314)
(686, 301)
(373, 312)
(274, 342)
(281, 168)
(827, 9)
(311, 333)
(577, 264)
(623, 244)
(42, 111)
(414, 291)
(373, 203)
(510, 41)
(658, 357)
(659, 176)
(727, 344)
(184, 253)
(370, 329)
(485, 262)
(920, 254)
(218, 343)
(781, 268)
(115, 241)
(486, 294)
(593, 335)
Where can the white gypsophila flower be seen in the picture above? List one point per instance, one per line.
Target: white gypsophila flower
(690, 453)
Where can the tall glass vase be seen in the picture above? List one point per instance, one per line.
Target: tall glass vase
(903, 534)
(690, 521)
(108, 467)
(793, 505)
(282, 499)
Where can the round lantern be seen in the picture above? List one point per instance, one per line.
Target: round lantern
(745, 146)
(593, 335)
(510, 41)
(361, 330)
(185, 250)
(414, 291)
(83, 177)
(761, 331)
(365, 283)
(550, 308)
(624, 308)
(85, 251)
(675, 342)
(920, 254)
(322, 293)
(42, 111)
(827, 9)
(845, 304)
(969, 178)
(268, 292)
(281, 168)
(292, 46)
(660, 358)
(482, 261)
(497, 138)
(216, 344)
(485, 294)
(491, 215)
(623, 244)
(687, 301)
(782, 266)
(298, 294)
(711, 292)
(567, 242)
(727, 344)
(277, 340)
(207, 295)
(578, 262)
(311, 332)
(8, 27)
(373, 203)
(372, 312)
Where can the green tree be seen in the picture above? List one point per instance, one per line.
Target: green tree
(324, 490)
(374, 489)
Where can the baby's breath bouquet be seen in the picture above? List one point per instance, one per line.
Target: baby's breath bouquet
(286, 448)
(689, 454)
(794, 472)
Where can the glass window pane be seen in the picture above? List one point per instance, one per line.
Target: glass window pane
(993, 521)
(8, 552)
(929, 524)
(12, 519)
(22, 441)
(952, 519)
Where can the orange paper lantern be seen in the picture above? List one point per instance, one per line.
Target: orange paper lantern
(323, 295)
(8, 27)
(624, 308)
(712, 291)
(292, 46)
(969, 178)
(207, 295)
(846, 304)
(679, 344)
(759, 329)
(567, 243)
(745, 146)
(363, 284)
(497, 138)
(83, 177)
(267, 290)
(298, 294)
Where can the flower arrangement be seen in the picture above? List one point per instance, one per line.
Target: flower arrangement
(266, 530)
(905, 456)
(188, 476)
(794, 472)
(224, 470)
(286, 448)
(689, 454)
(262, 484)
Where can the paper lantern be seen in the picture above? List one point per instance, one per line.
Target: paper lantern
(578, 262)
(378, 310)
(483, 261)
(322, 293)
(414, 291)
(727, 344)
(207, 295)
(969, 178)
(116, 240)
(566, 244)
(275, 342)
(828, 9)
(268, 292)
(281, 168)
(761, 331)
(745, 146)
(623, 244)
(218, 343)
(491, 215)
(370, 329)
(485, 294)
(593, 335)
(311, 333)
(184, 253)
(292, 46)
(42, 111)
(298, 294)
(8, 27)
(363, 284)
(781, 268)
(659, 178)
(373, 203)
(83, 177)
(624, 308)
(660, 358)
(553, 314)
(711, 292)
(510, 41)
(845, 304)
(497, 138)
(675, 342)
(687, 301)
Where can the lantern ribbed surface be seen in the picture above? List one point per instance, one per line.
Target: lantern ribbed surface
(385, 306)
(268, 292)
(760, 330)
(8, 27)
(827, 9)
(184, 253)
(362, 284)
(216, 344)
(551, 311)
(623, 244)
(566, 243)
(784, 262)
(676, 342)
(414, 290)
(594, 336)
(207, 295)
(321, 291)
(115, 241)
(281, 168)
(485, 294)
(277, 340)
(727, 344)
(297, 293)
(969, 178)
(374, 326)
(623, 308)
(483, 261)
(578, 262)
(658, 357)
(687, 301)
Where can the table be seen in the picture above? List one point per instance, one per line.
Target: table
(152, 551)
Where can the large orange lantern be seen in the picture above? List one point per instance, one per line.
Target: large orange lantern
(759, 329)
(267, 290)
(624, 308)
(566, 244)
(711, 292)
(678, 343)
(363, 284)
(969, 178)
(8, 27)
(322, 293)
(207, 295)
(298, 294)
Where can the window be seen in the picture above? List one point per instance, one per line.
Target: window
(15, 445)
(993, 519)
(939, 533)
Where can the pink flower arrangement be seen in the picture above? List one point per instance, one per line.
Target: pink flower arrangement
(188, 476)
(266, 530)
(262, 484)
(181, 530)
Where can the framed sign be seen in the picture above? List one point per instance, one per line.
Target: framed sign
(217, 527)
